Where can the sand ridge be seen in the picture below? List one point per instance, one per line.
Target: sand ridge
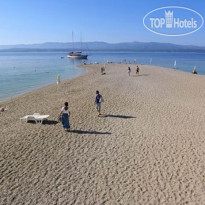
(147, 148)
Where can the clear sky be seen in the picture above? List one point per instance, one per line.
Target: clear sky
(37, 21)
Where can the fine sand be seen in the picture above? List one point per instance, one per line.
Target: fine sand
(148, 147)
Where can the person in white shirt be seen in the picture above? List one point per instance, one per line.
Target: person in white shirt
(64, 116)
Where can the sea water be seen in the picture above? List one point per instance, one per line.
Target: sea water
(21, 72)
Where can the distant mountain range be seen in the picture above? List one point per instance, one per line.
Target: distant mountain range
(103, 46)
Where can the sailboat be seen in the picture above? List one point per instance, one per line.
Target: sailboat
(77, 54)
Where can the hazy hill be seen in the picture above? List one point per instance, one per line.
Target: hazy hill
(103, 46)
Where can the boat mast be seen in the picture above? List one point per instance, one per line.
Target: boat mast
(72, 40)
(81, 42)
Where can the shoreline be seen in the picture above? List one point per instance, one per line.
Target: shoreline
(7, 100)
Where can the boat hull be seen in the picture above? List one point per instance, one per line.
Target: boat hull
(78, 57)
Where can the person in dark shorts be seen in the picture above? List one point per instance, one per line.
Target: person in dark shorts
(98, 101)
(137, 70)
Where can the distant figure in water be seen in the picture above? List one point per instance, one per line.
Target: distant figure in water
(129, 71)
(64, 117)
(194, 71)
(137, 70)
(98, 101)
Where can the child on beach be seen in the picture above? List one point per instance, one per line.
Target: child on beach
(64, 116)
(137, 70)
(98, 100)
(129, 71)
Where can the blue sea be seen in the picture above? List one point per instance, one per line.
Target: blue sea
(21, 72)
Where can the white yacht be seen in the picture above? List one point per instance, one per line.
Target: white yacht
(77, 55)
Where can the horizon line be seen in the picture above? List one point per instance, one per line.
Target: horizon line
(27, 44)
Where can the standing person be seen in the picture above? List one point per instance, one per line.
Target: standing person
(64, 115)
(102, 70)
(129, 71)
(58, 79)
(98, 100)
(137, 70)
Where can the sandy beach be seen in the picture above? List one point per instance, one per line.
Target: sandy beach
(148, 147)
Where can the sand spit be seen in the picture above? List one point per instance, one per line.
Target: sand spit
(148, 147)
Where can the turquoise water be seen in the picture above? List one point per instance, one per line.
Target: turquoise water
(23, 72)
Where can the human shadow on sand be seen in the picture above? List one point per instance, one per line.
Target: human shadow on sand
(45, 122)
(50, 122)
(90, 132)
(118, 116)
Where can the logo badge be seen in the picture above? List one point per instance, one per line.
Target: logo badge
(173, 21)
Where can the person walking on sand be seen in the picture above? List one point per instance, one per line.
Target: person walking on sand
(104, 69)
(98, 100)
(64, 116)
(129, 71)
(137, 70)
